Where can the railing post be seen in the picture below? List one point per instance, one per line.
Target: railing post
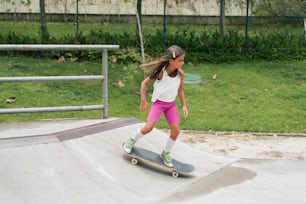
(105, 83)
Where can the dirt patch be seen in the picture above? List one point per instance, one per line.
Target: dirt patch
(248, 145)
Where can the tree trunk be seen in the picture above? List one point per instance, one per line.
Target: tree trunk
(222, 18)
(43, 22)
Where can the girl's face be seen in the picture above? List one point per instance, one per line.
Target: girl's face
(178, 62)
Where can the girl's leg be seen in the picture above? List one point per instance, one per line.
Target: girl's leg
(129, 144)
(153, 117)
(172, 116)
(148, 127)
(144, 130)
(173, 119)
(165, 155)
(174, 132)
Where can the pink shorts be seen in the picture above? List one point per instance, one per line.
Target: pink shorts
(168, 108)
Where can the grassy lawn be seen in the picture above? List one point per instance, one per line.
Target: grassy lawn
(255, 96)
(263, 97)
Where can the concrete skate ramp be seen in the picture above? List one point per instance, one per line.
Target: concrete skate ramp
(73, 161)
(82, 162)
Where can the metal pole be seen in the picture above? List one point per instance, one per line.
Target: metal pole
(105, 83)
(44, 47)
(50, 109)
(50, 78)
(246, 39)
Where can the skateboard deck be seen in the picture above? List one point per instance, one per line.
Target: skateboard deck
(143, 155)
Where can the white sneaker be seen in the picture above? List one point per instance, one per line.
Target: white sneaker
(128, 145)
(165, 156)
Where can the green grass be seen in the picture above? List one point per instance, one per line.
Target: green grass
(256, 96)
(262, 97)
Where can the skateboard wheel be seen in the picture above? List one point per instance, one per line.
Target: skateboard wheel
(175, 174)
(134, 161)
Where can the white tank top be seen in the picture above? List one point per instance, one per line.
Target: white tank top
(166, 89)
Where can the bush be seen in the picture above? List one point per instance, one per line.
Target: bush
(204, 46)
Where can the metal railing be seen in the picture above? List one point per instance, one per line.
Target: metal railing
(103, 77)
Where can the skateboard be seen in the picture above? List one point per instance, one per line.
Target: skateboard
(153, 159)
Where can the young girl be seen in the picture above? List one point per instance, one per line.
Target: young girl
(168, 78)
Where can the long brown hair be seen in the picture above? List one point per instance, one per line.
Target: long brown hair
(171, 53)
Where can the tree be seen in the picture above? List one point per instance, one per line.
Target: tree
(43, 22)
(222, 4)
(222, 18)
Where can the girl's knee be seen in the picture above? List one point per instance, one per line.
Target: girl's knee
(147, 128)
(175, 131)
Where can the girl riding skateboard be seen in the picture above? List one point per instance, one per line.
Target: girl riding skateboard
(168, 79)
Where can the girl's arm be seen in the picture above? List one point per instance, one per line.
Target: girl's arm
(181, 94)
(143, 94)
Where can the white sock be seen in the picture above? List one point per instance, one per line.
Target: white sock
(137, 136)
(169, 145)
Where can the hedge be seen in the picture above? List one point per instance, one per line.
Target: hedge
(202, 46)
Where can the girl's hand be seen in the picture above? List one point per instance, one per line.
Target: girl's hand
(185, 111)
(143, 106)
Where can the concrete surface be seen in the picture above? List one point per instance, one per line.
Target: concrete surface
(81, 161)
